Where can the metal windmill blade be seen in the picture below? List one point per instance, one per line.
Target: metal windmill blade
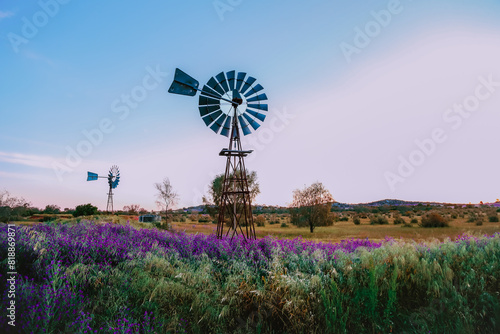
(114, 177)
(235, 90)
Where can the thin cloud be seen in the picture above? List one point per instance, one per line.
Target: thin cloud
(38, 161)
(5, 14)
(20, 176)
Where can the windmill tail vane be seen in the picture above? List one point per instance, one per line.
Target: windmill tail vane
(92, 176)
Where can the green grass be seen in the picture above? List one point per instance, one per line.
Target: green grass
(347, 230)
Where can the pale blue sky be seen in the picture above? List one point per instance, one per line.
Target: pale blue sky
(353, 116)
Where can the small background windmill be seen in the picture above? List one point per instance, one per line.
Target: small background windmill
(113, 180)
(228, 103)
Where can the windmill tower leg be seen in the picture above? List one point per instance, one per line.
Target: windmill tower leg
(109, 206)
(235, 200)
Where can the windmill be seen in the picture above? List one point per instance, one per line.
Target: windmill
(113, 180)
(228, 103)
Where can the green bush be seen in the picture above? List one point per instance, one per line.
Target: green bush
(204, 219)
(284, 225)
(433, 219)
(414, 221)
(47, 219)
(379, 220)
(260, 220)
(356, 220)
(344, 219)
(85, 210)
(399, 220)
(493, 219)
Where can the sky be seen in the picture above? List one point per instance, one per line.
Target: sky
(375, 99)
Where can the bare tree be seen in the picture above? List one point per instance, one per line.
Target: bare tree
(132, 209)
(166, 195)
(311, 205)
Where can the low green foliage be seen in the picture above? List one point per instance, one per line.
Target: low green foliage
(356, 220)
(493, 219)
(85, 210)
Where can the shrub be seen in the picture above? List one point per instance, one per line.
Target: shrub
(260, 220)
(85, 210)
(414, 221)
(399, 220)
(343, 218)
(493, 219)
(284, 225)
(356, 220)
(379, 220)
(204, 219)
(433, 219)
(47, 219)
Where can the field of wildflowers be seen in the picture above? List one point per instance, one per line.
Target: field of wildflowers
(94, 278)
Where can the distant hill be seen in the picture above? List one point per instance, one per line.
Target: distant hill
(384, 202)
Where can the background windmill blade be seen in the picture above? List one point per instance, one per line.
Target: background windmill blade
(231, 79)
(247, 84)
(251, 121)
(244, 126)
(92, 176)
(218, 123)
(115, 182)
(259, 116)
(240, 79)
(261, 97)
(183, 84)
(227, 127)
(254, 90)
(205, 110)
(221, 78)
(114, 176)
(258, 106)
(212, 117)
(212, 83)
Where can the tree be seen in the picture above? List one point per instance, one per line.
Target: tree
(132, 209)
(85, 210)
(12, 202)
(11, 208)
(166, 195)
(213, 198)
(311, 206)
(52, 209)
